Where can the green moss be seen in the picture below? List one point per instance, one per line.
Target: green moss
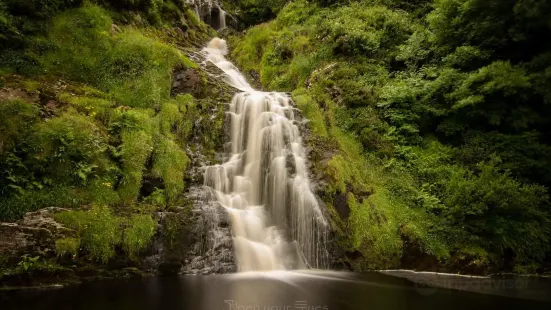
(168, 117)
(375, 232)
(67, 247)
(134, 69)
(71, 147)
(95, 107)
(169, 163)
(188, 108)
(16, 119)
(157, 198)
(138, 234)
(136, 148)
(99, 230)
(311, 112)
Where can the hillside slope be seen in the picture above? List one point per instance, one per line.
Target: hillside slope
(429, 124)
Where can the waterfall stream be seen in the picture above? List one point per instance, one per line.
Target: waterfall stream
(263, 184)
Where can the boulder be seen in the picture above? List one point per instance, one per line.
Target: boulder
(34, 235)
(188, 81)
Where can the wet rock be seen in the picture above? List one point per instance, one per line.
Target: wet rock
(170, 268)
(212, 251)
(290, 164)
(34, 235)
(21, 94)
(341, 205)
(114, 29)
(188, 81)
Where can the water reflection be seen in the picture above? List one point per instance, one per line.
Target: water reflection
(278, 290)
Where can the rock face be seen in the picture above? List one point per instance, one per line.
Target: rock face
(213, 253)
(34, 235)
(210, 12)
(188, 81)
(196, 240)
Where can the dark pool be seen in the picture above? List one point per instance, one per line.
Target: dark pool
(291, 291)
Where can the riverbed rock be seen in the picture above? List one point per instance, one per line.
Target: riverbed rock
(34, 235)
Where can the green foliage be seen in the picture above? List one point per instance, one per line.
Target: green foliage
(71, 148)
(99, 230)
(93, 144)
(28, 263)
(101, 233)
(138, 234)
(252, 12)
(15, 206)
(16, 119)
(169, 163)
(311, 111)
(98, 108)
(428, 114)
(135, 151)
(502, 212)
(157, 198)
(67, 247)
(374, 233)
(134, 69)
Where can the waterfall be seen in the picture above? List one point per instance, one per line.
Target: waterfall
(221, 18)
(264, 185)
(210, 12)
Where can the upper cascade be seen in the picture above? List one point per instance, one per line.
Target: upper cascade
(264, 184)
(210, 12)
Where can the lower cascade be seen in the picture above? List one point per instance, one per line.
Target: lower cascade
(263, 184)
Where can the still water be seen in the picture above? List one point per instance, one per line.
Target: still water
(287, 291)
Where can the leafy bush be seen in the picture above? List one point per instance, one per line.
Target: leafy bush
(16, 119)
(71, 148)
(169, 163)
(135, 151)
(14, 207)
(134, 69)
(138, 234)
(67, 247)
(99, 230)
(438, 127)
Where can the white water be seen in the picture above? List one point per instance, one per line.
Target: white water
(264, 185)
(221, 19)
(203, 9)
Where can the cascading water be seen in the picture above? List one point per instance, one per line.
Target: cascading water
(264, 185)
(210, 12)
(221, 19)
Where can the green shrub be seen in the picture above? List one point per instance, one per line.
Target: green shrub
(169, 163)
(98, 108)
(67, 247)
(99, 230)
(135, 151)
(71, 148)
(14, 207)
(138, 234)
(134, 69)
(16, 119)
(311, 112)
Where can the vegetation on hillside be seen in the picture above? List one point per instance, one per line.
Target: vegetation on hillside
(430, 117)
(87, 118)
(428, 121)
